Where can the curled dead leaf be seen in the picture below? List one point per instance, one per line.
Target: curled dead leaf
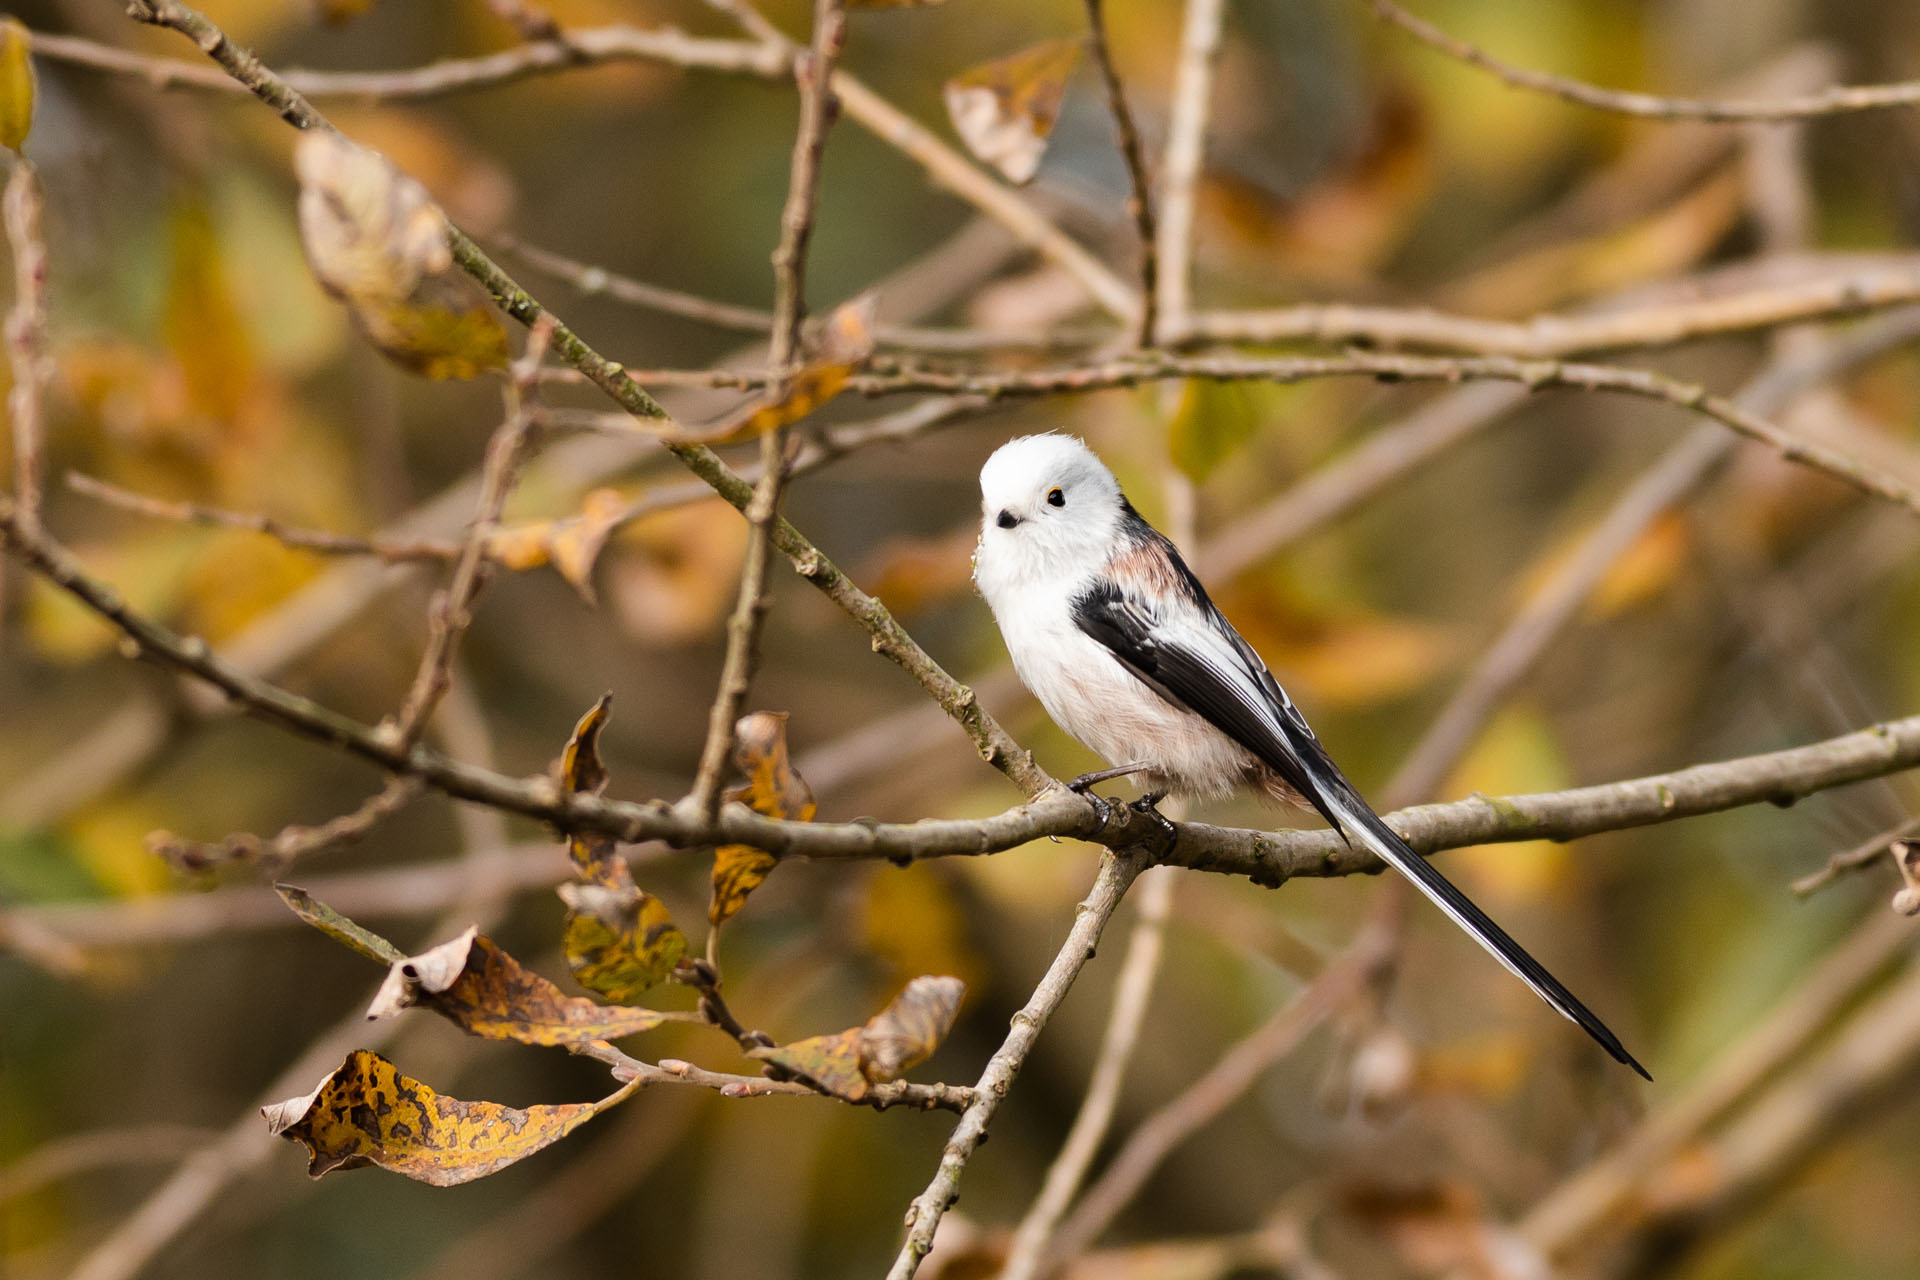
(596, 856)
(619, 940)
(848, 1063)
(773, 788)
(336, 926)
(481, 989)
(376, 240)
(1005, 110)
(366, 1112)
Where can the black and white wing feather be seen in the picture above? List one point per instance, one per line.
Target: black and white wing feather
(1189, 654)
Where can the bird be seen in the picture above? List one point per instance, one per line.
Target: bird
(1117, 638)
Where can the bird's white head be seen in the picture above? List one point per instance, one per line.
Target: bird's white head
(1050, 512)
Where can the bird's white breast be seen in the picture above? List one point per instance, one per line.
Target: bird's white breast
(1094, 697)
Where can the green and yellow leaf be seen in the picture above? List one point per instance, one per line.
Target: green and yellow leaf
(354, 937)
(619, 940)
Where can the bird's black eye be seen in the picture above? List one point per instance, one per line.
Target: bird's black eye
(1056, 498)
(1007, 520)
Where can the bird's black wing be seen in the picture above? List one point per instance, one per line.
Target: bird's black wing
(1185, 650)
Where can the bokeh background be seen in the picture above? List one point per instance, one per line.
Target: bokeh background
(196, 359)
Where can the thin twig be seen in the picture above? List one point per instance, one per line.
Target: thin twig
(1827, 102)
(1195, 1106)
(275, 855)
(319, 541)
(817, 110)
(451, 611)
(1574, 1210)
(26, 334)
(1117, 872)
(1864, 854)
(1847, 288)
(1140, 198)
(1131, 991)
(1180, 171)
(1533, 374)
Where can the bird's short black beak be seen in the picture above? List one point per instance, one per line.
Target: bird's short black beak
(1007, 520)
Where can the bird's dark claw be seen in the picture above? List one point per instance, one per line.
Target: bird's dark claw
(1148, 806)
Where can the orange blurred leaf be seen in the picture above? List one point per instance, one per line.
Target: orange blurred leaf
(908, 574)
(1005, 110)
(847, 1063)
(571, 544)
(481, 989)
(837, 347)
(672, 574)
(366, 1113)
(16, 85)
(337, 13)
(772, 788)
(619, 940)
(202, 323)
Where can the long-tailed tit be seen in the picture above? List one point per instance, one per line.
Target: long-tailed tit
(1119, 641)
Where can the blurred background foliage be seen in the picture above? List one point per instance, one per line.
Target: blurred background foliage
(197, 360)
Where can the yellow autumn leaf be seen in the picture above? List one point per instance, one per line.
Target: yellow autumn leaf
(619, 940)
(672, 575)
(16, 85)
(201, 320)
(772, 788)
(1005, 110)
(1212, 419)
(478, 987)
(368, 1113)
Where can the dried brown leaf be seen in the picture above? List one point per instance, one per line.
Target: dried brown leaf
(376, 240)
(619, 940)
(486, 992)
(596, 856)
(336, 926)
(368, 1113)
(772, 788)
(847, 1063)
(1005, 110)
(16, 85)
(907, 1031)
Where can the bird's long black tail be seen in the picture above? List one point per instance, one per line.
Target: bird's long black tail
(1354, 817)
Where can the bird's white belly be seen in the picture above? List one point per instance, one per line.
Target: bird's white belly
(1091, 695)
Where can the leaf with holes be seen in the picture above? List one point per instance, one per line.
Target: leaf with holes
(484, 991)
(848, 1063)
(772, 788)
(368, 1113)
(1005, 110)
(619, 940)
